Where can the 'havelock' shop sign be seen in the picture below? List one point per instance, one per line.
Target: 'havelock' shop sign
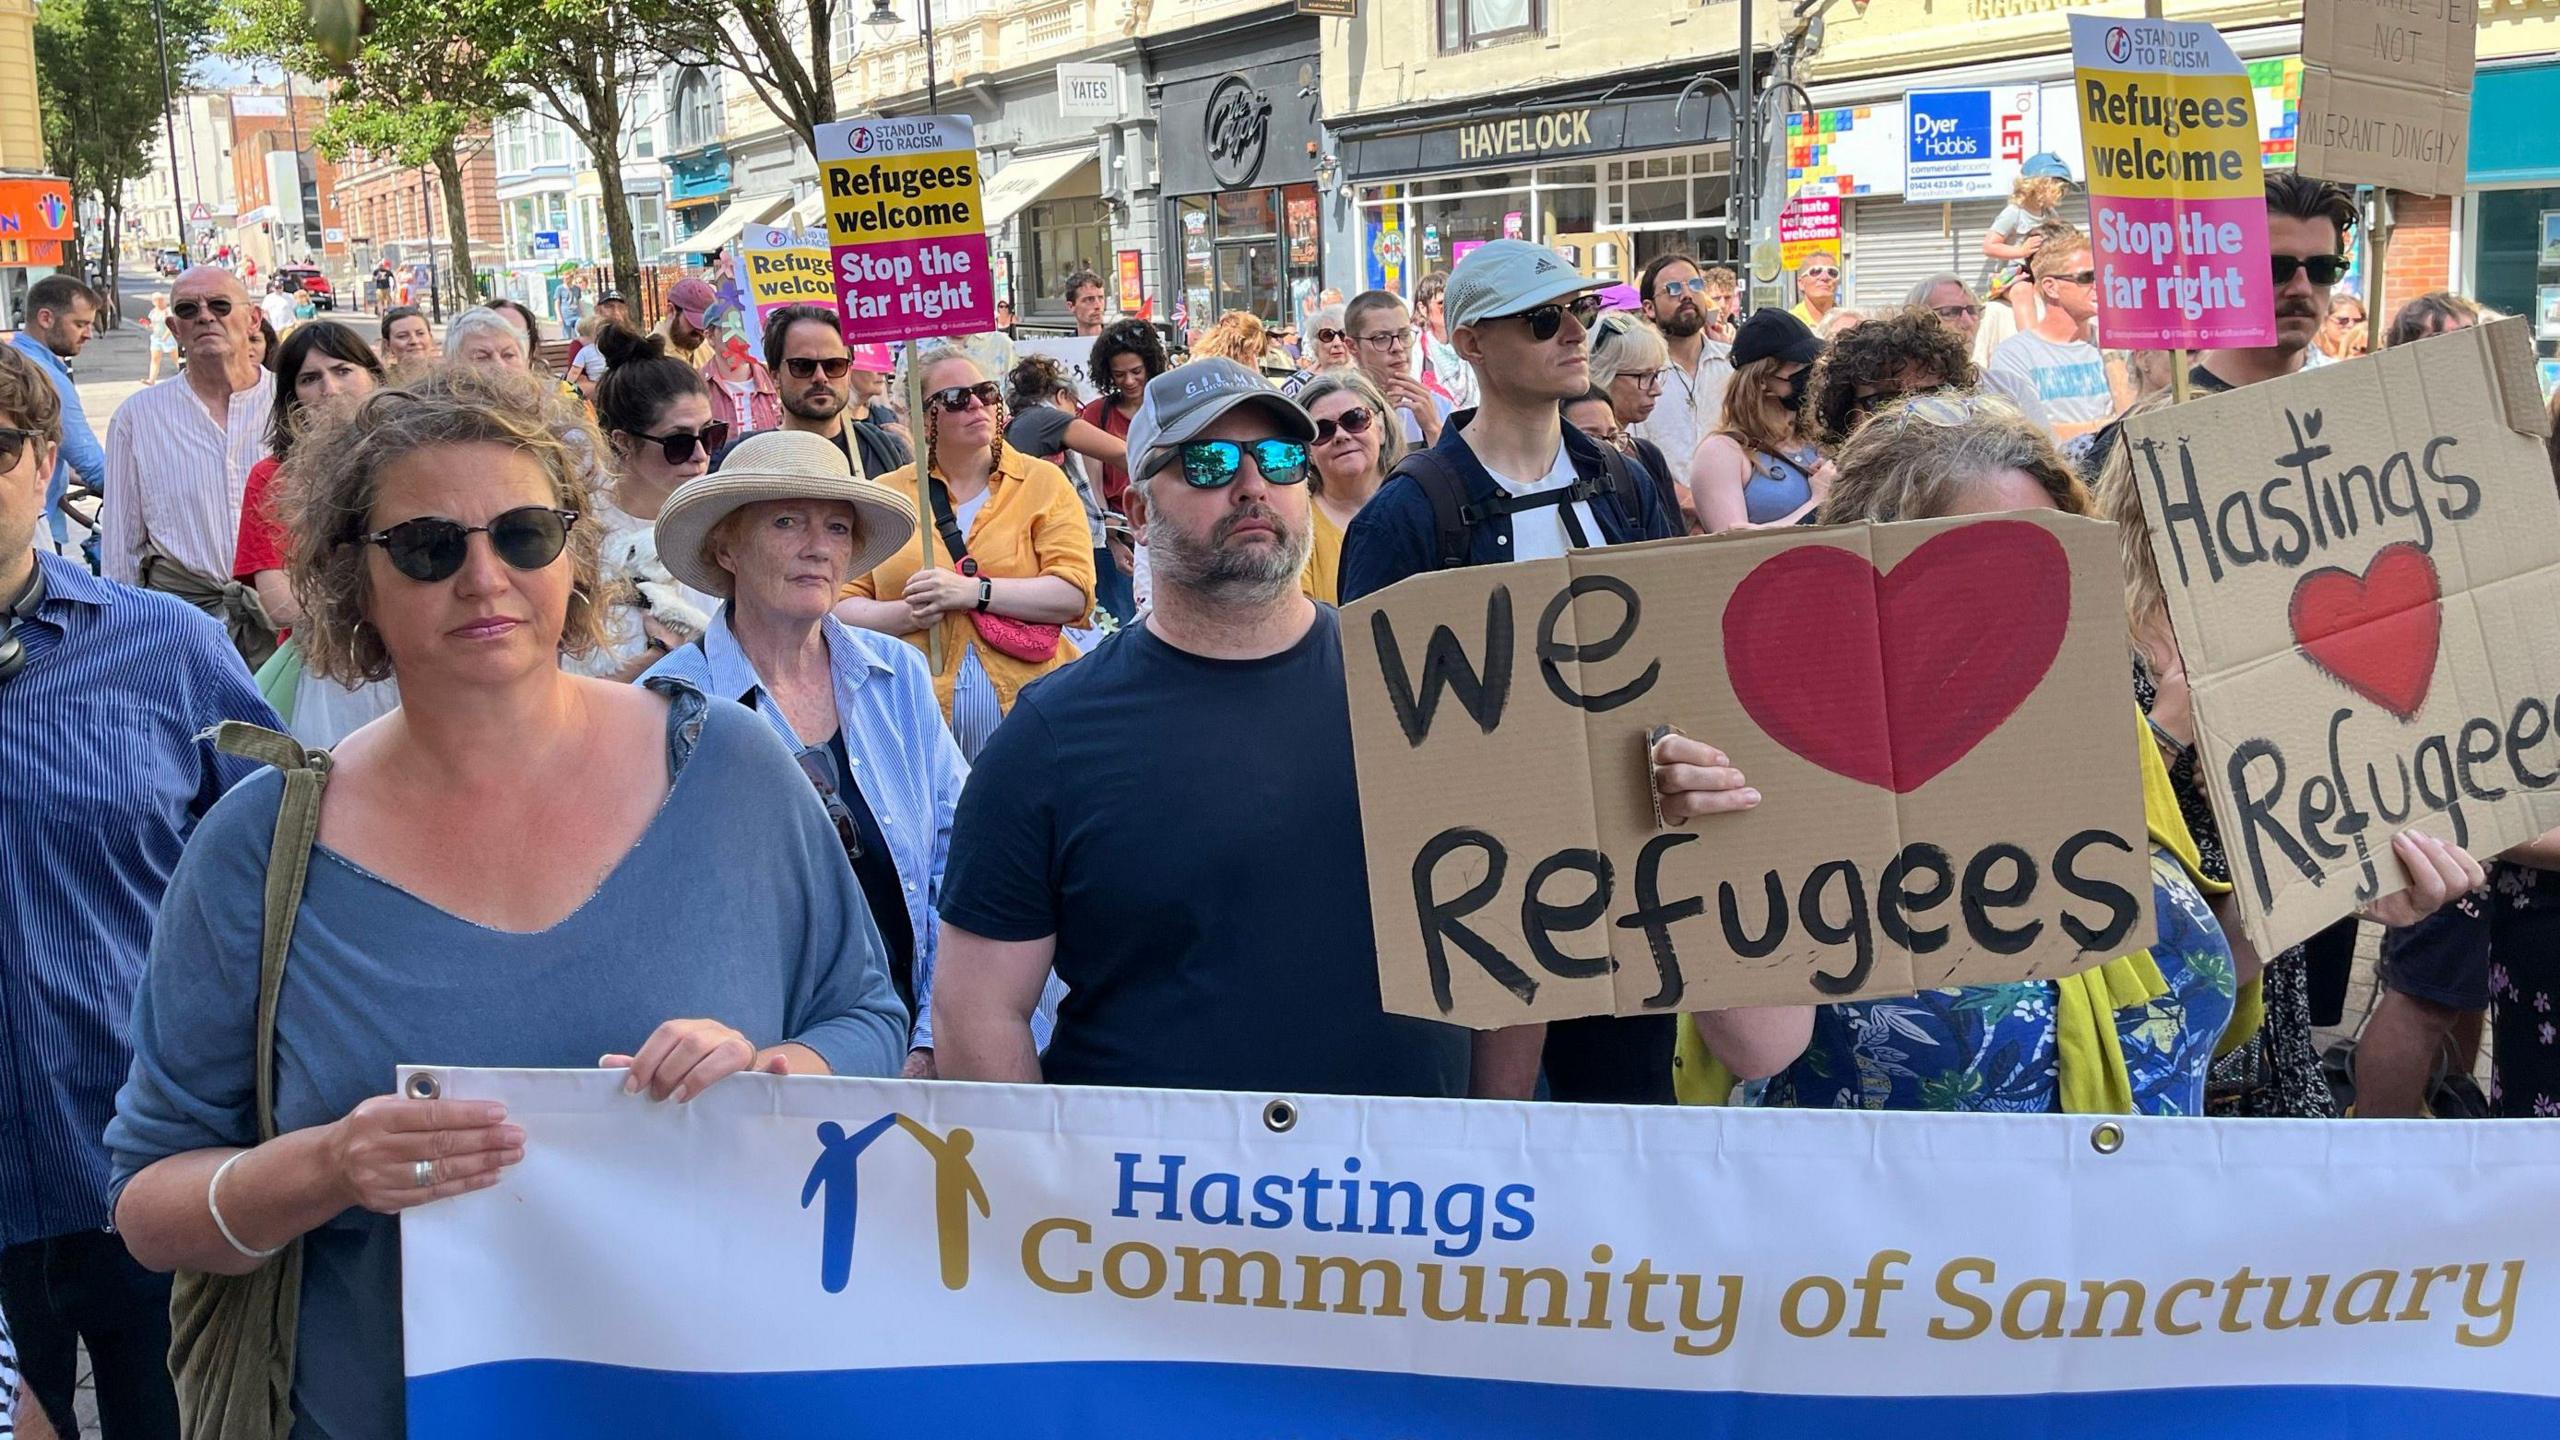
(1553, 133)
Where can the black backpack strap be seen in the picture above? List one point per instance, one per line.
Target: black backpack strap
(1446, 489)
(946, 524)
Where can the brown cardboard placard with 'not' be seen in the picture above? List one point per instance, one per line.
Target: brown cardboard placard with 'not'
(2386, 93)
(1938, 714)
(2362, 562)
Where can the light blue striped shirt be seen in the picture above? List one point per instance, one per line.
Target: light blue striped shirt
(102, 779)
(904, 759)
(82, 454)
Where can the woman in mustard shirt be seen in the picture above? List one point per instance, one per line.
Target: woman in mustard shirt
(1021, 567)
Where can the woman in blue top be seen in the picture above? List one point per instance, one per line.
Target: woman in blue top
(1760, 466)
(491, 886)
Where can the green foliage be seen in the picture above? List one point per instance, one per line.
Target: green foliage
(99, 81)
(783, 49)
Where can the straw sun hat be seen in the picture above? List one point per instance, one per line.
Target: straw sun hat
(778, 465)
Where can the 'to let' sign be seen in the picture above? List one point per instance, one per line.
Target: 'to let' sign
(1939, 715)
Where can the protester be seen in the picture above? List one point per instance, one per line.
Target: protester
(529, 328)
(1042, 405)
(485, 336)
(2437, 313)
(2050, 370)
(1016, 557)
(1840, 321)
(178, 455)
(2345, 335)
(1817, 288)
(1687, 305)
(2035, 201)
(1085, 299)
(2308, 222)
(659, 432)
(687, 326)
(381, 285)
(1005, 319)
(277, 304)
(1239, 335)
(500, 877)
(819, 382)
(61, 313)
(1759, 466)
(1629, 360)
(1124, 359)
(1382, 345)
(774, 533)
(1906, 353)
(743, 393)
(1333, 342)
(407, 340)
(262, 343)
(1526, 487)
(1436, 363)
(1354, 451)
(164, 336)
(1952, 301)
(104, 691)
(586, 362)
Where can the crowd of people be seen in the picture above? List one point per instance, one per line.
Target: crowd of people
(632, 722)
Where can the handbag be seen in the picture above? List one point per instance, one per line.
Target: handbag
(1029, 641)
(231, 1337)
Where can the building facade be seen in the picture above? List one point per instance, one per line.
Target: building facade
(396, 214)
(551, 199)
(288, 206)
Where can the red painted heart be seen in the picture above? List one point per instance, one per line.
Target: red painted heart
(2376, 635)
(1890, 679)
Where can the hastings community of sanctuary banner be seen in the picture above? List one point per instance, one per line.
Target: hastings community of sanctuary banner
(855, 1257)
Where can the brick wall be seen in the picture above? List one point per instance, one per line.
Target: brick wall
(2422, 257)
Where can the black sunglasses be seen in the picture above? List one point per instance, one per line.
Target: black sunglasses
(1546, 320)
(802, 367)
(219, 306)
(431, 548)
(1330, 335)
(1354, 421)
(957, 397)
(13, 443)
(1214, 464)
(2323, 269)
(678, 447)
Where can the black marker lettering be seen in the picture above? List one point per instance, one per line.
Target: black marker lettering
(2352, 820)
(1979, 899)
(2172, 511)
(2258, 817)
(1896, 901)
(1729, 912)
(2466, 491)
(2518, 741)
(1539, 920)
(2241, 554)
(1655, 919)
(2299, 458)
(2300, 547)
(2122, 907)
(2471, 755)
(2319, 803)
(1552, 653)
(1440, 921)
(2442, 794)
(1853, 930)
(1444, 662)
(2411, 505)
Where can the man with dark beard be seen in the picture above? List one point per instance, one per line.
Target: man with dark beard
(816, 375)
(2307, 225)
(1686, 304)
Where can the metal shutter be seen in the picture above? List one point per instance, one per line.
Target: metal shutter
(1892, 245)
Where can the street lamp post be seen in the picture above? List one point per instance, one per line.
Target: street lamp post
(884, 22)
(169, 127)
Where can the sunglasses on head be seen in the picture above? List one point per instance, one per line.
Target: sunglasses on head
(678, 447)
(1214, 464)
(1354, 421)
(431, 548)
(957, 397)
(219, 307)
(2323, 269)
(802, 367)
(1546, 320)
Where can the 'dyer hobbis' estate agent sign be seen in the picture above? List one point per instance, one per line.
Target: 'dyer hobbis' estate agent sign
(1937, 713)
(2363, 564)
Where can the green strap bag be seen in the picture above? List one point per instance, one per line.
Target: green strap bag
(232, 1336)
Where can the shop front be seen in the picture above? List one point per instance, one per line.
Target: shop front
(1611, 179)
(1243, 218)
(2510, 227)
(36, 220)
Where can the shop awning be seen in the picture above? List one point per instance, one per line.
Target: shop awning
(1027, 179)
(810, 212)
(2511, 110)
(753, 210)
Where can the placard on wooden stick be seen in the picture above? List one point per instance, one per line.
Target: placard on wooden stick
(1939, 714)
(2363, 565)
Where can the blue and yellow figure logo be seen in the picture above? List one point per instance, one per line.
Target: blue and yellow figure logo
(838, 1173)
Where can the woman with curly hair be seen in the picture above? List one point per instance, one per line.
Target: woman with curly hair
(1881, 361)
(1239, 335)
(1126, 355)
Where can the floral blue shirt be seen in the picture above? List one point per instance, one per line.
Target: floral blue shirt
(1992, 1047)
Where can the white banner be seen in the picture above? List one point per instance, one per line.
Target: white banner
(851, 1257)
(1073, 354)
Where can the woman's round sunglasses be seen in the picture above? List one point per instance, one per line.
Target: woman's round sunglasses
(1354, 421)
(432, 548)
(678, 447)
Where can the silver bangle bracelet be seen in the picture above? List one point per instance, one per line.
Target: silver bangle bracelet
(214, 1207)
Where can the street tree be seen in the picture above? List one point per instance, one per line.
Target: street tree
(784, 49)
(585, 63)
(98, 79)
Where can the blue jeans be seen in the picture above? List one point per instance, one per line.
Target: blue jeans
(1112, 590)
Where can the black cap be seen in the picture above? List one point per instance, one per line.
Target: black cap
(1774, 334)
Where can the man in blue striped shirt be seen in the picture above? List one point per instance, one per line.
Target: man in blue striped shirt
(103, 692)
(61, 315)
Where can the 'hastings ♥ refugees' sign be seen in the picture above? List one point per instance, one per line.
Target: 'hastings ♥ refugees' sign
(2363, 565)
(1937, 712)
(906, 228)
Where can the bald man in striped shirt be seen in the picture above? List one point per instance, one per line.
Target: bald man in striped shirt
(178, 460)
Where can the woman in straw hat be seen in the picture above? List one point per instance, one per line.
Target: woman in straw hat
(773, 533)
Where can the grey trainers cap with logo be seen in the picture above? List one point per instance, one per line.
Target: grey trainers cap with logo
(1505, 277)
(1188, 399)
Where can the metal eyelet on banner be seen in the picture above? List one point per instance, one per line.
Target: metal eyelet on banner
(2107, 1138)
(1280, 1115)
(423, 1086)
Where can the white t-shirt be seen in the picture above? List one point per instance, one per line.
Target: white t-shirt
(1690, 404)
(279, 310)
(1540, 534)
(2061, 385)
(1413, 427)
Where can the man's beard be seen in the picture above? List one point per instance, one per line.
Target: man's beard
(804, 410)
(1683, 322)
(1213, 570)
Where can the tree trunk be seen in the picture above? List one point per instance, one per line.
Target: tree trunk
(457, 220)
(617, 214)
(110, 264)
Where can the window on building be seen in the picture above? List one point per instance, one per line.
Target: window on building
(515, 149)
(696, 117)
(555, 142)
(1467, 24)
(648, 223)
(1062, 237)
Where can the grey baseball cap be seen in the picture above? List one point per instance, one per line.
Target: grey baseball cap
(1505, 277)
(1187, 399)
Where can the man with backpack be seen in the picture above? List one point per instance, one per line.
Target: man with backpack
(1509, 480)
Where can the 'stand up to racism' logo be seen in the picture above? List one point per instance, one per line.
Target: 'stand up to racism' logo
(2119, 44)
(838, 1174)
(860, 140)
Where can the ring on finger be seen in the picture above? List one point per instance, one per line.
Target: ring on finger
(424, 1173)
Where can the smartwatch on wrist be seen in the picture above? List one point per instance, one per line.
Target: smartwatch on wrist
(986, 593)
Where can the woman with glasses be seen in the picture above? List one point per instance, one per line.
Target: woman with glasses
(659, 432)
(1630, 361)
(1353, 453)
(1907, 353)
(1759, 466)
(2344, 335)
(775, 533)
(1332, 341)
(1947, 296)
(1014, 560)
(510, 870)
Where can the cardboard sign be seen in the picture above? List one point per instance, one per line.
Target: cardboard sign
(906, 227)
(2177, 206)
(2386, 93)
(780, 266)
(1937, 712)
(2363, 563)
